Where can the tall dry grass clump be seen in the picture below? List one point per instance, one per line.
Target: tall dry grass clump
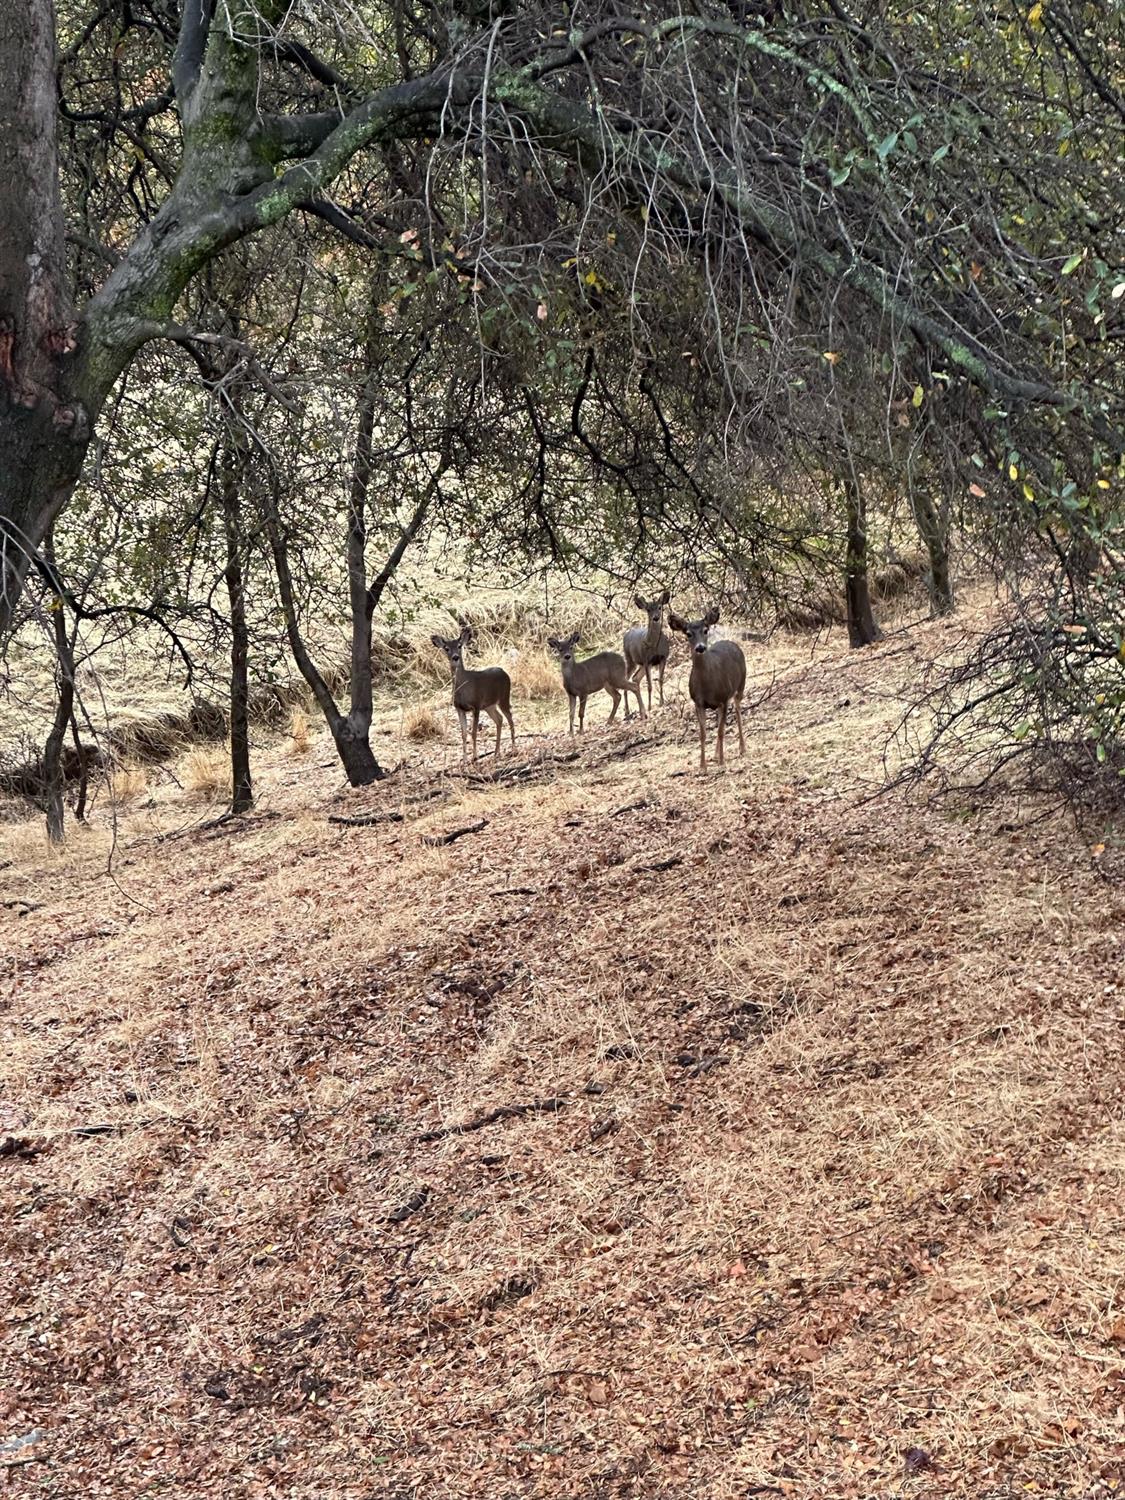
(207, 771)
(300, 731)
(534, 675)
(128, 782)
(421, 722)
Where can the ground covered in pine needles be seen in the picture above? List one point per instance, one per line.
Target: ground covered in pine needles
(664, 1136)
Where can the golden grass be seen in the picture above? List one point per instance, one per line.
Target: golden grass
(129, 782)
(206, 771)
(421, 723)
(813, 1152)
(536, 676)
(300, 731)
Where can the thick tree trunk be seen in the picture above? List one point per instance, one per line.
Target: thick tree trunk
(862, 629)
(44, 428)
(353, 745)
(233, 469)
(933, 528)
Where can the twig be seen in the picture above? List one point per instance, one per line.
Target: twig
(517, 890)
(659, 864)
(505, 1112)
(629, 807)
(411, 1206)
(366, 822)
(623, 750)
(436, 840)
(114, 1127)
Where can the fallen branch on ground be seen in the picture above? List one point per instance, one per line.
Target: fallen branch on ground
(505, 1112)
(629, 807)
(436, 840)
(369, 821)
(659, 864)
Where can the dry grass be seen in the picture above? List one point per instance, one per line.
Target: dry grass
(206, 771)
(810, 1151)
(129, 782)
(421, 723)
(535, 676)
(300, 731)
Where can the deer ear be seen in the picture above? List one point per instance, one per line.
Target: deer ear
(438, 642)
(665, 597)
(712, 615)
(466, 633)
(552, 642)
(675, 621)
(639, 602)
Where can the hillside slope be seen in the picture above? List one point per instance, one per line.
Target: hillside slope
(667, 1137)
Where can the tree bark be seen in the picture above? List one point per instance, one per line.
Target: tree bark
(233, 474)
(361, 687)
(862, 629)
(44, 427)
(933, 528)
(54, 772)
(352, 740)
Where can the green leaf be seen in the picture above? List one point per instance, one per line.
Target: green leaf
(919, 396)
(841, 175)
(940, 154)
(886, 145)
(1073, 262)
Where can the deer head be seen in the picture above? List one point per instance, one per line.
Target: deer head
(564, 649)
(695, 630)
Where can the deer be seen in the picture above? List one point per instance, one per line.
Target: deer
(718, 677)
(649, 645)
(581, 678)
(488, 689)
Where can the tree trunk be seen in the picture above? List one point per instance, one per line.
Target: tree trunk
(233, 471)
(933, 527)
(361, 691)
(351, 738)
(44, 429)
(862, 629)
(54, 773)
(353, 745)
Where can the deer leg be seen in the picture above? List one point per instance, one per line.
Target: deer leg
(701, 720)
(640, 705)
(511, 725)
(573, 700)
(494, 715)
(616, 696)
(476, 726)
(722, 728)
(660, 680)
(648, 680)
(582, 714)
(738, 719)
(464, 743)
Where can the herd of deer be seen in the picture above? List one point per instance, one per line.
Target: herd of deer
(718, 676)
